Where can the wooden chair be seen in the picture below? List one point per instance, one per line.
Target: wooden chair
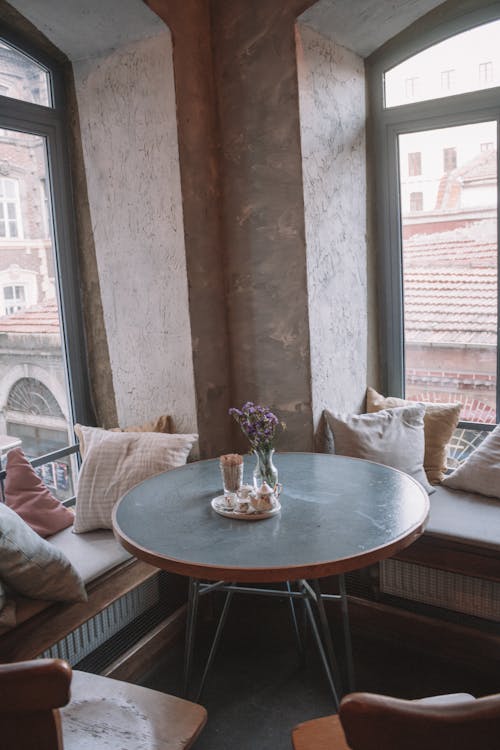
(44, 705)
(377, 722)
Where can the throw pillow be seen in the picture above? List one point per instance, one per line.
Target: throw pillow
(481, 471)
(114, 462)
(162, 423)
(33, 567)
(29, 497)
(440, 421)
(394, 437)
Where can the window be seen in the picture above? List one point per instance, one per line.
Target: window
(23, 77)
(416, 201)
(10, 212)
(411, 87)
(415, 164)
(449, 159)
(14, 298)
(447, 80)
(41, 342)
(485, 72)
(459, 58)
(439, 291)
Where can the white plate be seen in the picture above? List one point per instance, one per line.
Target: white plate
(220, 507)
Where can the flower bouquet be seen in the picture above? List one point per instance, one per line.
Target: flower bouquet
(260, 426)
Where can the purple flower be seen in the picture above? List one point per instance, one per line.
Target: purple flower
(258, 423)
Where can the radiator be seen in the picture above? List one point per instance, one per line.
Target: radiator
(95, 632)
(453, 591)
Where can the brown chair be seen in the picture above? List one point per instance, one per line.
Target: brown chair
(377, 722)
(46, 706)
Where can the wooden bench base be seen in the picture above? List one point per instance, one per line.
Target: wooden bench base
(45, 628)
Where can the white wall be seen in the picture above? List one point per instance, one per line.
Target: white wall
(332, 115)
(126, 102)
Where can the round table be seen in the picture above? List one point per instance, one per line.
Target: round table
(338, 514)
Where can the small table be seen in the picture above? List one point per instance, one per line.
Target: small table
(338, 514)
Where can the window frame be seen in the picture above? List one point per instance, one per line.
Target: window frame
(385, 127)
(52, 124)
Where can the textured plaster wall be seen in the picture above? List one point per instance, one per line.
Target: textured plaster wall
(126, 106)
(263, 214)
(332, 117)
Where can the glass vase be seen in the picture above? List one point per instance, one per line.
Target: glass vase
(265, 470)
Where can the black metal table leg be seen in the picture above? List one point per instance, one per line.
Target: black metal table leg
(215, 642)
(192, 612)
(347, 633)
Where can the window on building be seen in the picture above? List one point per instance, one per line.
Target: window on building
(40, 323)
(14, 299)
(414, 164)
(448, 78)
(411, 87)
(10, 209)
(485, 72)
(416, 201)
(439, 282)
(449, 159)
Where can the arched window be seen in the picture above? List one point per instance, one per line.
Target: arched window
(40, 323)
(435, 103)
(30, 396)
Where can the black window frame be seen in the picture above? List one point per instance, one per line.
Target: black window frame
(53, 123)
(384, 127)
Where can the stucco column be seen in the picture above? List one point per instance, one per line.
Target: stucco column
(263, 209)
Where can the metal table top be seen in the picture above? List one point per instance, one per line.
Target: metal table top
(338, 514)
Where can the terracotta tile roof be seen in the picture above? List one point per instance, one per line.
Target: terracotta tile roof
(450, 283)
(39, 319)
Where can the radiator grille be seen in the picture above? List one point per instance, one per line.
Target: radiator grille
(452, 591)
(106, 624)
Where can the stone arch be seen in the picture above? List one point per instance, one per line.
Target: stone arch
(48, 380)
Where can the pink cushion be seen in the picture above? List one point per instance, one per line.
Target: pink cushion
(29, 497)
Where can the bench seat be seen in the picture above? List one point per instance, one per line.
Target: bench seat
(93, 554)
(465, 518)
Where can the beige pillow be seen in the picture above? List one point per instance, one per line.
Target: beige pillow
(440, 421)
(162, 423)
(32, 566)
(394, 437)
(481, 471)
(114, 462)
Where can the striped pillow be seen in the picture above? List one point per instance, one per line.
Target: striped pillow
(114, 462)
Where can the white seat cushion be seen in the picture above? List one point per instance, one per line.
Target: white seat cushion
(464, 517)
(92, 553)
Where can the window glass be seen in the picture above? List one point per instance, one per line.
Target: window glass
(450, 255)
(33, 372)
(465, 62)
(23, 78)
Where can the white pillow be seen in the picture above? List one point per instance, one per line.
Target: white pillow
(394, 437)
(481, 471)
(114, 462)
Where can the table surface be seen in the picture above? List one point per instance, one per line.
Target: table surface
(338, 514)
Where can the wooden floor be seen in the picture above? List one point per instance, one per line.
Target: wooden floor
(258, 689)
